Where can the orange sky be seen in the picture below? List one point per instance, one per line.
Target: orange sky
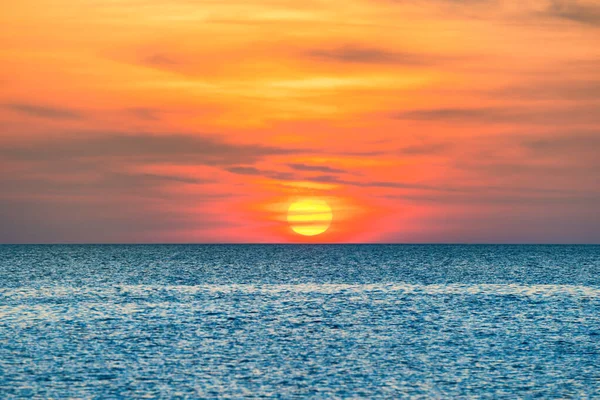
(201, 121)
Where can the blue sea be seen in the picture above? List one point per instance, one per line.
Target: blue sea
(299, 321)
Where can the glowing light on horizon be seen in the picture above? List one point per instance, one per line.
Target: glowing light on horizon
(310, 217)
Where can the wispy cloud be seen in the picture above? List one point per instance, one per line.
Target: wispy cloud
(459, 114)
(112, 220)
(101, 182)
(510, 198)
(40, 111)
(555, 89)
(577, 11)
(174, 148)
(370, 55)
(315, 168)
(144, 113)
(246, 170)
(583, 114)
(424, 149)
(379, 184)
(574, 145)
(159, 60)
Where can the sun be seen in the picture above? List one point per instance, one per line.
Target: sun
(309, 217)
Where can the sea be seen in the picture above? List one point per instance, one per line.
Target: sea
(299, 321)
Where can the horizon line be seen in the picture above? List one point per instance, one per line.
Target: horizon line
(300, 244)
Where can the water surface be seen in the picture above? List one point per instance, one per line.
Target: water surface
(349, 321)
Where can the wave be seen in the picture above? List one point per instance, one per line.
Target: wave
(308, 288)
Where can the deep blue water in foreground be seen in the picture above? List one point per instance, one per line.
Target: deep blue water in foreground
(286, 321)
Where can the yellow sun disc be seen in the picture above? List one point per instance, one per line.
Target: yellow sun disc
(309, 217)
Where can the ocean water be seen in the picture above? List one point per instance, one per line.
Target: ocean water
(299, 321)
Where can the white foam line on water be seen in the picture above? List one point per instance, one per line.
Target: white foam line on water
(267, 289)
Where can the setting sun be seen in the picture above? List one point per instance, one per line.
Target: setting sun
(309, 217)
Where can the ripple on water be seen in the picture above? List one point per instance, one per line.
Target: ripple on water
(318, 340)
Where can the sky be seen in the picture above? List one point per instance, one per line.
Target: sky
(134, 121)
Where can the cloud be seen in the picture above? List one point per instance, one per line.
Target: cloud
(329, 179)
(580, 90)
(380, 184)
(151, 179)
(457, 114)
(159, 60)
(39, 111)
(447, 188)
(515, 168)
(568, 115)
(574, 154)
(424, 149)
(559, 161)
(369, 153)
(81, 188)
(513, 199)
(285, 176)
(577, 11)
(580, 11)
(100, 183)
(173, 148)
(369, 55)
(144, 113)
(245, 170)
(107, 221)
(564, 143)
(97, 204)
(503, 224)
(315, 168)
